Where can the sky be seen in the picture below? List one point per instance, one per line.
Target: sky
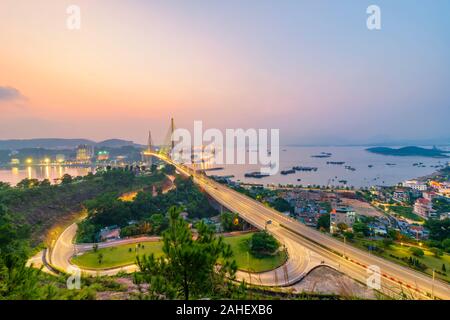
(309, 68)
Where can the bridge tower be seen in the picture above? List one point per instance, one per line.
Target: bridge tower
(172, 130)
(146, 154)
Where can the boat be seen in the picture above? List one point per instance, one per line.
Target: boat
(286, 172)
(350, 168)
(320, 156)
(300, 168)
(336, 162)
(370, 165)
(257, 175)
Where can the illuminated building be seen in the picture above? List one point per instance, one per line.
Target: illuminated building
(103, 156)
(60, 158)
(84, 153)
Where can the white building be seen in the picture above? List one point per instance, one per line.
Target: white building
(415, 185)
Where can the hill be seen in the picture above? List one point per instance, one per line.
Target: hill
(56, 143)
(410, 151)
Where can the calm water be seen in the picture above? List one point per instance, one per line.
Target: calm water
(356, 157)
(15, 175)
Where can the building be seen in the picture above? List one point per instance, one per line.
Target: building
(424, 208)
(400, 195)
(109, 233)
(429, 195)
(103, 156)
(84, 153)
(341, 215)
(415, 185)
(418, 232)
(60, 158)
(378, 229)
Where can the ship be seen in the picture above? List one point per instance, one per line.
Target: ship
(257, 175)
(300, 168)
(336, 162)
(286, 172)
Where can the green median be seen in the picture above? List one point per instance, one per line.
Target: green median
(123, 255)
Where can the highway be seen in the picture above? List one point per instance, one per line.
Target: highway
(396, 281)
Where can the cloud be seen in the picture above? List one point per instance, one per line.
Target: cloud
(9, 94)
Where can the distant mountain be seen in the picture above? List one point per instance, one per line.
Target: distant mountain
(55, 143)
(116, 143)
(410, 151)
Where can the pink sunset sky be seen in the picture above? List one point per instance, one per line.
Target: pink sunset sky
(310, 68)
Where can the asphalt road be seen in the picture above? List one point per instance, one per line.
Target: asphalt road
(396, 280)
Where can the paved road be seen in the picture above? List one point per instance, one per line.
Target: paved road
(396, 280)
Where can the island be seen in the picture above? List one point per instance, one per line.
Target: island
(410, 151)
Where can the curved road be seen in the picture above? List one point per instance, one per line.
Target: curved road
(292, 271)
(395, 280)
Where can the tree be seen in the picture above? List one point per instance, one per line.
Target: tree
(361, 227)
(100, 258)
(158, 222)
(66, 179)
(281, 205)
(263, 244)
(444, 269)
(342, 226)
(324, 222)
(439, 229)
(188, 267)
(228, 221)
(417, 251)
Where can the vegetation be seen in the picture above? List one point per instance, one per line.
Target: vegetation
(145, 214)
(406, 212)
(41, 205)
(323, 223)
(409, 151)
(118, 256)
(245, 260)
(230, 221)
(19, 282)
(262, 244)
(187, 268)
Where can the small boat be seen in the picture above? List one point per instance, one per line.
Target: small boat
(336, 162)
(300, 168)
(286, 172)
(257, 175)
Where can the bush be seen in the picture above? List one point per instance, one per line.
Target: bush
(263, 244)
(417, 251)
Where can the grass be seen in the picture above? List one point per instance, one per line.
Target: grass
(401, 251)
(121, 256)
(116, 256)
(406, 212)
(246, 261)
